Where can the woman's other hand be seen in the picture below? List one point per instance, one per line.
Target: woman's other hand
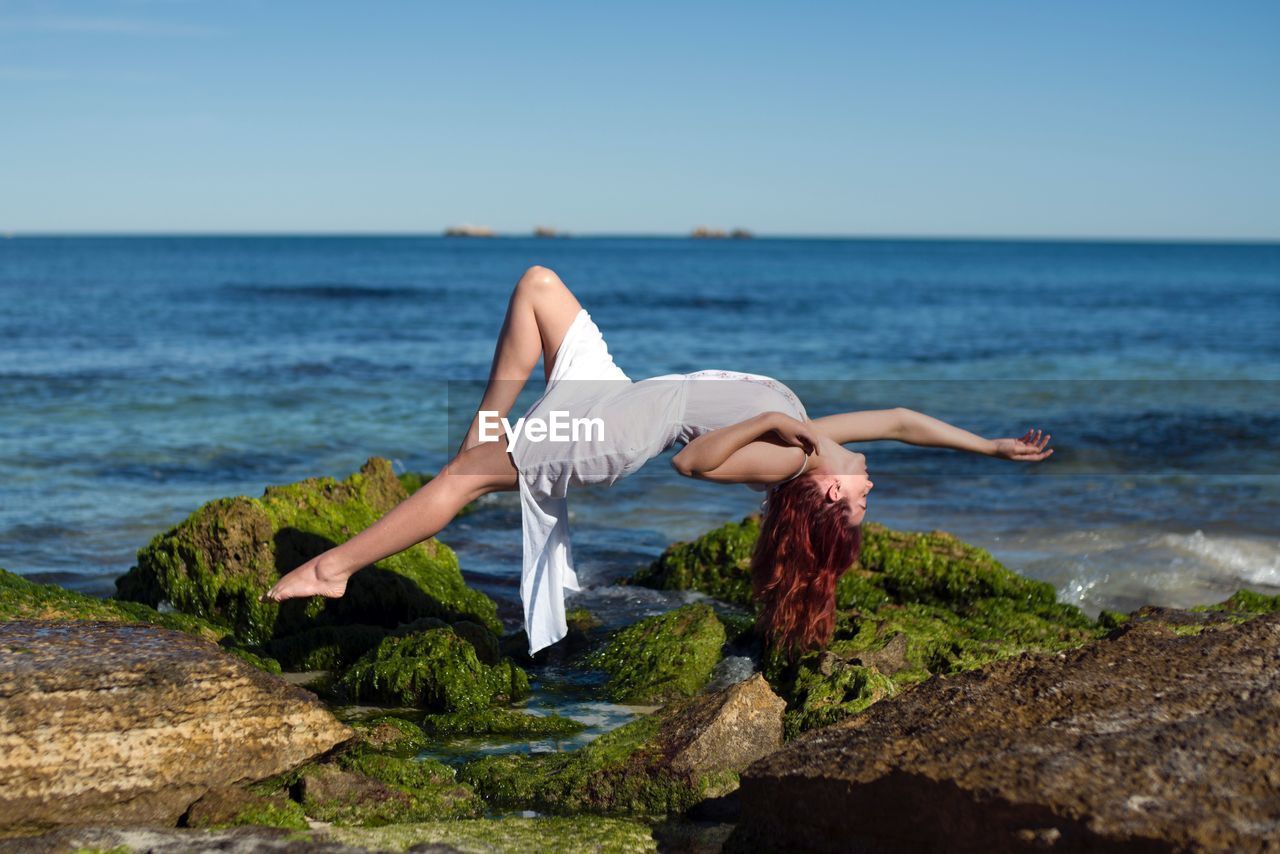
(795, 433)
(1032, 447)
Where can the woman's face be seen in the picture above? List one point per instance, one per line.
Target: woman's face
(855, 484)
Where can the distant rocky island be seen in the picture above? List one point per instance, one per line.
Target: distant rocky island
(469, 231)
(703, 232)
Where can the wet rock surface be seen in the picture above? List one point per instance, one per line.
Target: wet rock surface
(1154, 738)
(107, 721)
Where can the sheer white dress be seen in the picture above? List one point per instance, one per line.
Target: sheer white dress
(636, 421)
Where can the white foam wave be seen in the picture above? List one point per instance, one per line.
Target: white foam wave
(1253, 561)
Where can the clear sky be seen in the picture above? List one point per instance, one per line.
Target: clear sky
(1057, 119)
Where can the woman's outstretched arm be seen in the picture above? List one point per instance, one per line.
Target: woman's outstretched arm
(916, 428)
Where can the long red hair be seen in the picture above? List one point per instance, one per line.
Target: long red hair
(806, 543)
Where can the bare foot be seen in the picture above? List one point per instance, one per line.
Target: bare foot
(310, 579)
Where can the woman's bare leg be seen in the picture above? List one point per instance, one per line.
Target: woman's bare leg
(475, 472)
(539, 314)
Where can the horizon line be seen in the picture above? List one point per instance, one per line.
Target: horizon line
(10, 234)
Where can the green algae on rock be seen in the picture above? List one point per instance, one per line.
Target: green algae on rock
(659, 764)
(433, 669)
(718, 563)
(21, 599)
(217, 562)
(236, 806)
(662, 657)
(330, 793)
(510, 835)
(500, 722)
(954, 605)
(390, 733)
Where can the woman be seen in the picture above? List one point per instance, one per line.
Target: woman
(735, 427)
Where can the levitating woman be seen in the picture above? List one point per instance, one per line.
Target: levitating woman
(594, 425)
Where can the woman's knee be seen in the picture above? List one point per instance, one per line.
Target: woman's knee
(538, 281)
(483, 468)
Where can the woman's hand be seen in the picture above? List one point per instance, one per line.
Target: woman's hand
(1032, 447)
(795, 432)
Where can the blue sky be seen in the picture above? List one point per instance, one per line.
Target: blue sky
(1020, 119)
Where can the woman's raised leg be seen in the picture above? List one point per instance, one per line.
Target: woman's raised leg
(475, 472)
(539, 313)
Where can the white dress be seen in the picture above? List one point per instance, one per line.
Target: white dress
(634, 422)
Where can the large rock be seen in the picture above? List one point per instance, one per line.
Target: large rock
(218, 562)
(913, 605)
(117, 722)
(1163, 736)
(688, 752)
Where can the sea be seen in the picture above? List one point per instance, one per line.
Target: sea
(143, 376)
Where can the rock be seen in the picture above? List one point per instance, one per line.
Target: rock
(580, 623)
(468, 231)
(741, 234)
(667, 762)
(663, 657)
(913, 605)
(171, 840)
(718, 563)
(217, 562)
(433, 669)
(510, 835)
(21, 599)
(347, 797)
(1151, 739)
(390, 733)
(233, 806)
(703, 232)
(112, 722)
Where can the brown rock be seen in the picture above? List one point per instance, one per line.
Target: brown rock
(724, 730)
(227, 805)
(108, 722)
(1151, 739)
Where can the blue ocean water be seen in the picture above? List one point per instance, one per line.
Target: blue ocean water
(141, 377)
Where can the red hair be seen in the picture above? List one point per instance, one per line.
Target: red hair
(806, 543)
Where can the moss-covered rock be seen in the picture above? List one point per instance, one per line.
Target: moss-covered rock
(663, 763)
(218, 562)
(620, 772)
(511, 835)
(580, 624)
(947, 606)
(663, 657)
(390, 733)
(258, 660)
(330, 793)
(21, 599)
(433, 669)
(718, 563)
(326, 647)
(235, 806)
(500, 722)
(433, 786)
